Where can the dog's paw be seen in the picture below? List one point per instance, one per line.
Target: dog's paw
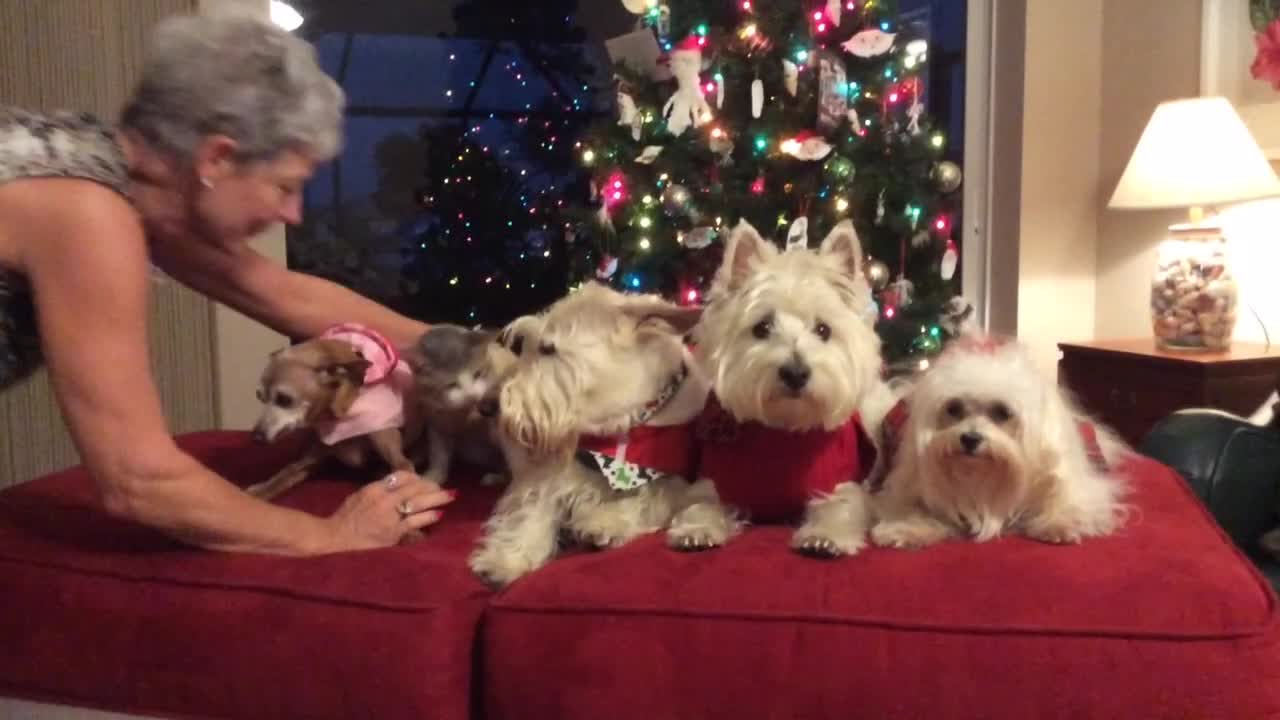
(1055, 533)
(499, 569)
(908, 534)
(817, 545)
(694, 539)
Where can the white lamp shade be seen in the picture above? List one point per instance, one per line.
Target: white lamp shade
(1195, 152)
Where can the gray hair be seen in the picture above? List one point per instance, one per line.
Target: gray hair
(235, 76)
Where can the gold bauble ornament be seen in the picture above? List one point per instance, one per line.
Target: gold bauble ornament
(947, 175)
(877, 274)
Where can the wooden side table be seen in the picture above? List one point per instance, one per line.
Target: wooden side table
(1130, 384)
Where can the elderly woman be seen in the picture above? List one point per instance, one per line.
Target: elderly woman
(229, 120)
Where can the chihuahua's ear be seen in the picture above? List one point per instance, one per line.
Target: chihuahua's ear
(652, 307)
(346, 379)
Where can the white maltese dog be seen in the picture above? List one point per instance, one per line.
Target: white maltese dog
(595, 423)
(991, 447)
(795, 371)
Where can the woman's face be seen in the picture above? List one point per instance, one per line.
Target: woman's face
(247, 198)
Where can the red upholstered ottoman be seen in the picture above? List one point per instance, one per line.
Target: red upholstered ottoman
(1166, 620)
(100, 613)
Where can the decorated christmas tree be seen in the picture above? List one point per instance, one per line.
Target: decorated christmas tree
(790, 115)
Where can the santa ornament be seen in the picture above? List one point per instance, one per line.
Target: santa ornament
(686, 107)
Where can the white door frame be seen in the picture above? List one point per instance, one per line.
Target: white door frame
(994, 55)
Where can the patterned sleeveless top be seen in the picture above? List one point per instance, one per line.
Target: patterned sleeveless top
(58, 145)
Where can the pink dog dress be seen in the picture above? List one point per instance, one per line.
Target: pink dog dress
(380, 404)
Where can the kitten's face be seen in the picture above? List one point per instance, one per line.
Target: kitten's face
(457, 387)
(455, 367)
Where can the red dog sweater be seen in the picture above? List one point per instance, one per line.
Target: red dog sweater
(772, 474)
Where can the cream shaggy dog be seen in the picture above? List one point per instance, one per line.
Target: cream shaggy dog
(786, 345)
(991, 447)
(597, 364)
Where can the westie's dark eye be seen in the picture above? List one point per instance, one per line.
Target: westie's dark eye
(822, 330)
(1000, 413)
(283, 401)
(547, 349)
(762, 329)
(479, 374)
(955, 409)
(517, 345)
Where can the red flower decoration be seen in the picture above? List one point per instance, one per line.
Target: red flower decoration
(1266, 66)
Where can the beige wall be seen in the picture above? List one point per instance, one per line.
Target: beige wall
(1059, 225)
(84, 55)
(1150, 53)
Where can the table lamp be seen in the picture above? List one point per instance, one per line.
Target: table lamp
(1194, 153)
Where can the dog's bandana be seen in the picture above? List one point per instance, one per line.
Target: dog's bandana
(380, 403)
(772, 474)
(645, 452)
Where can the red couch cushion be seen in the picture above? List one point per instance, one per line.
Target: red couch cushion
(1164, 620)
(103, 613)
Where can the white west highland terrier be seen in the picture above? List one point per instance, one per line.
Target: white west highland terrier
(795, 373)
(991, 447)
(595, 422)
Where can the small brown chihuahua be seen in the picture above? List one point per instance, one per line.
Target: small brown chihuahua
(319, 386)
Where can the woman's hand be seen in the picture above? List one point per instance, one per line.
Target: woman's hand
(385, 512)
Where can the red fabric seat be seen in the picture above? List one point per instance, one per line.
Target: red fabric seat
(1165, 620)
(103, 613)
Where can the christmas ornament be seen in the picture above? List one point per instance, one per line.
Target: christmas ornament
(649, 154)
(719, 92)
(663, 24)
(899, 293)
(686, 107)
(839, 167)
(877, 274)
(790, 77)
(813, 148)
(757, 98)
(833, 93)
(921, 239)
(947, 175)
(913, 113)
(628, 114)
(675, 199)
(957, 316)
(636, 7)
(722, 146)
(833, 11)
(869, 43)
(798, 234)
(699, 237)
(854, 121)
(950, 259)
(880, 209)
(607, 267)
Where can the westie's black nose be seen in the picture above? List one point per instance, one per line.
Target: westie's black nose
(488, 407)
(795, 375)
(971, 441)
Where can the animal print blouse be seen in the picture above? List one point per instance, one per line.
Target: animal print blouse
(57, 145)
